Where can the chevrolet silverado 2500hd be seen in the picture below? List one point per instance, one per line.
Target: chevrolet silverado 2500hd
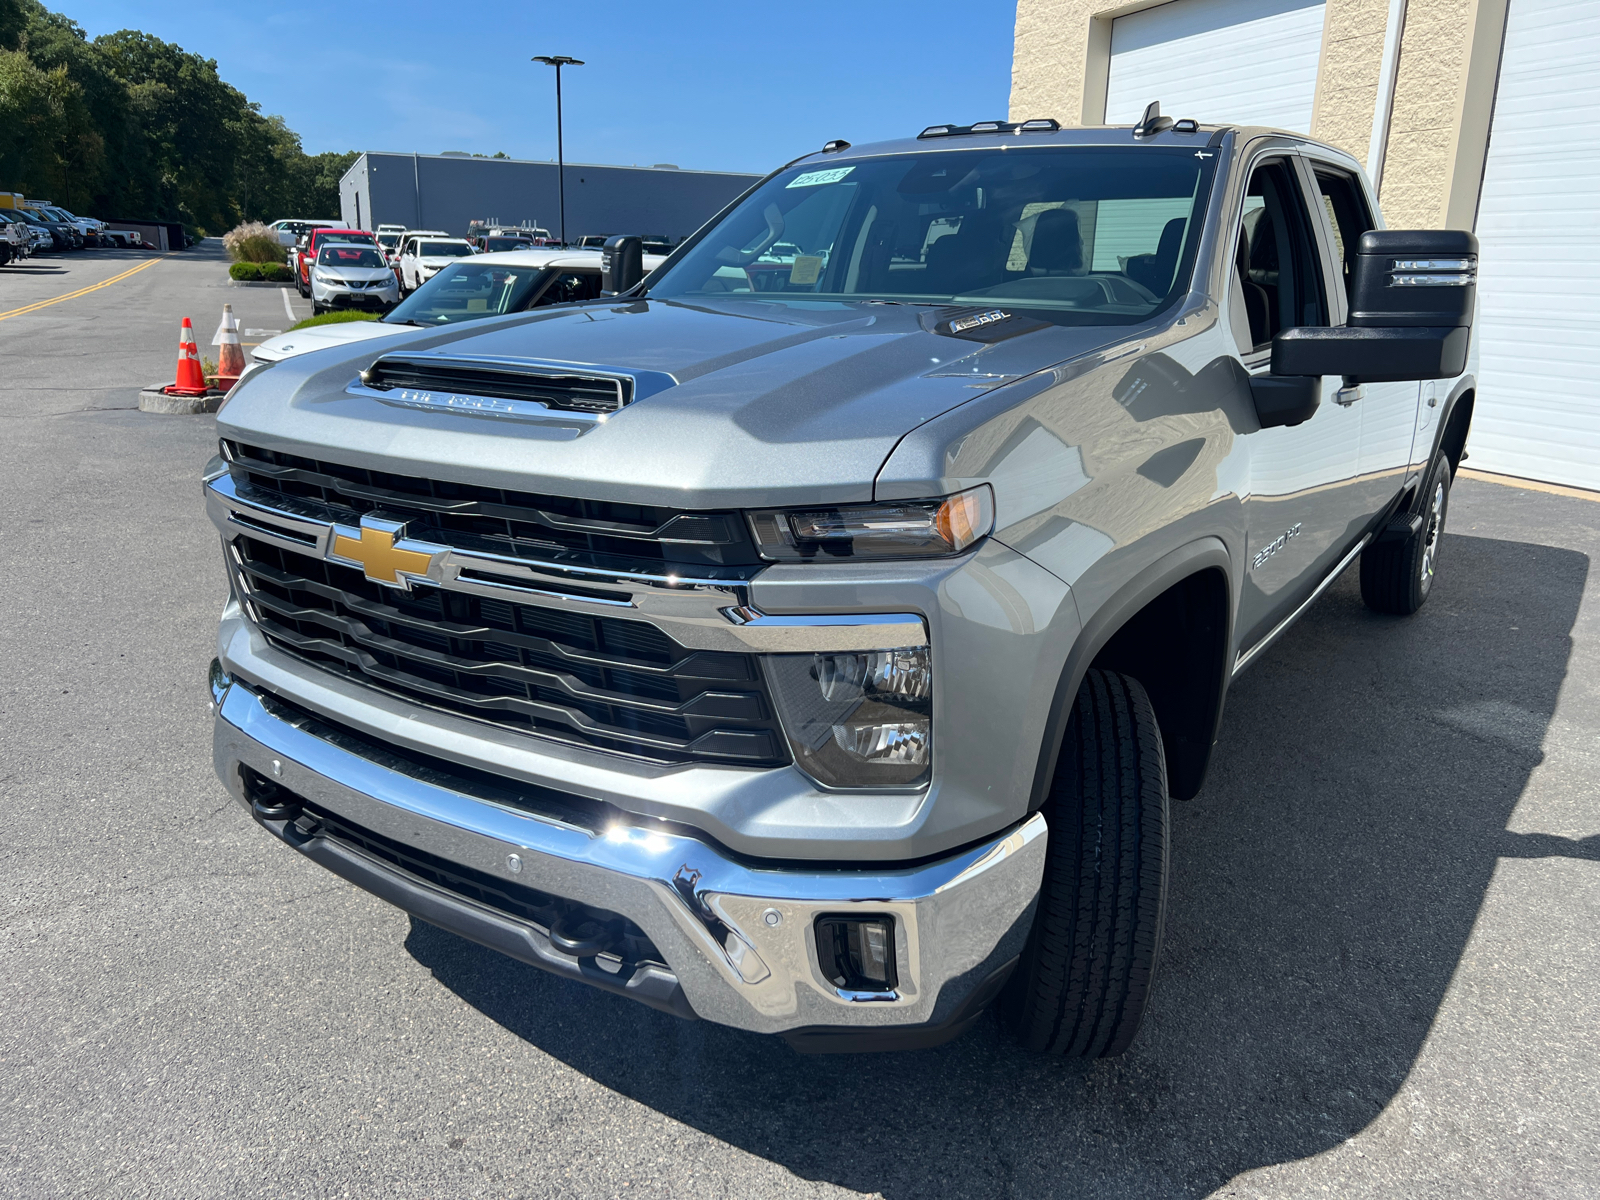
(809, 636)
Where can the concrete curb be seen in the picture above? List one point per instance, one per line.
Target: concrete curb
(256, 283)
(154, 400)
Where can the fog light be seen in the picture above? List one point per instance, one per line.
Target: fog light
(856, 954)
(862, 720)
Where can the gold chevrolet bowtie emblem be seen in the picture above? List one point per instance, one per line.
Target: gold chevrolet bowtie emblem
(381, 560)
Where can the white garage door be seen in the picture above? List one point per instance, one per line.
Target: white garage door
(1249, 62)
(1538, 409)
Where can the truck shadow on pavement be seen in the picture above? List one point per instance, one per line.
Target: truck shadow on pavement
(1324, 886)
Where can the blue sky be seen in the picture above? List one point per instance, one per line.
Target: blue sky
(708, 84)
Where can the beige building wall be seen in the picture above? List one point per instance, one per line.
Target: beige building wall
(1442, 102)
(1443, 99)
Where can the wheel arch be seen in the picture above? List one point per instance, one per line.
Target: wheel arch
(1456, 421)
(1170, 626)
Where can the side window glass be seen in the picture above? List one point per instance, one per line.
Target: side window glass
(1347, 213)
(570, 286)
(1277, 282)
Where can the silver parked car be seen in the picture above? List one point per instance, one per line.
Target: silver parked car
(349, 275)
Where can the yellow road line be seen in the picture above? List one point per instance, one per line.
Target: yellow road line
(1531, 485)
(93, 287)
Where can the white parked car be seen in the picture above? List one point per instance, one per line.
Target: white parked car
(389, 239)
(88, 228)
(411, 235)
(486, 285)
(17, 236)
(351, 275)
(291, 229)
(421, 258)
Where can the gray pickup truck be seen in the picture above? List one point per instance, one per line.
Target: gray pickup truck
(808, 637)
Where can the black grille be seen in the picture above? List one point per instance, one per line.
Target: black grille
(578, 393)
(604, 682)
(587, 533)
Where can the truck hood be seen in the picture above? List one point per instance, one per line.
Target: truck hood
(320, 337)
(739, 404)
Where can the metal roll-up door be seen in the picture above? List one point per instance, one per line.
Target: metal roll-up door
(1248, 62)
(1538, 323)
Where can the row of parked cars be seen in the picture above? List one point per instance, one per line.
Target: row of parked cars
(336, 267)
(38, 227)
(355, 268)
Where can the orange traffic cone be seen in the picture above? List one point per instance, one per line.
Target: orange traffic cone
(190, 381)
(230, 355)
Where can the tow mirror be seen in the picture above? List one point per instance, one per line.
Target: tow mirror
(621, 264)
(1411, 307)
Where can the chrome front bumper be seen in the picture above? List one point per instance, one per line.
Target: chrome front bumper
(738, 938)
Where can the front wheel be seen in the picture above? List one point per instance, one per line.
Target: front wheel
(1396, 576)
(1085, 976)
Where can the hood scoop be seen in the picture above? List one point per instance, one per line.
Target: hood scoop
(490, 386)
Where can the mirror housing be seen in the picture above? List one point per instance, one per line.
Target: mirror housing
(1372, 355)
(1411, 305)
(621, 264)
(1285, 399)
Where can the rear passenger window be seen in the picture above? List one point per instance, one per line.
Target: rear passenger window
(1277, 282)
(1347, 213)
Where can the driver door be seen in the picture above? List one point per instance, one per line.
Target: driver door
(1304, 509)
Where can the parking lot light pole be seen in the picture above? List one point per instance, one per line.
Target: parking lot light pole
(558, 61)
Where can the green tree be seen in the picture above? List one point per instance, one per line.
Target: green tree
(130, 125)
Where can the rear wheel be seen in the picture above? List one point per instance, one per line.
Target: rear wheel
(1396, 576)
(1085, 976)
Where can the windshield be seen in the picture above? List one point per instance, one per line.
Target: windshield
(389, 240)
(468, 292)
(505, 243)
(350, 256)
(1101, 235)
(443, 249)
(328, 239)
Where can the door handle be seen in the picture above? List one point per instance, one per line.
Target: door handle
(1347, 395)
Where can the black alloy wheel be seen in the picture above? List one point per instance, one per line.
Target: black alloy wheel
(1397, 575)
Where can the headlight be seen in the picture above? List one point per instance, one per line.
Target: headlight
(900, 529)
(857, 720)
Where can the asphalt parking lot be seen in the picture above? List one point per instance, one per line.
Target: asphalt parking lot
(1381, 975)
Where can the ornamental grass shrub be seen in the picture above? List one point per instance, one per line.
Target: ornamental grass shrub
(255, 243)
(267, 272)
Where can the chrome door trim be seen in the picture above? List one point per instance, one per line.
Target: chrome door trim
(1246, 657)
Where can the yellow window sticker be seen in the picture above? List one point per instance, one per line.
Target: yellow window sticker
(477, 306)
(813, 178)
(806, 269)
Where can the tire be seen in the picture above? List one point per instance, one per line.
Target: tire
(1396, 576)
(1085, 976)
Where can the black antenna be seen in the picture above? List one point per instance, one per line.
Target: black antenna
(835, 146)
(1152, 121)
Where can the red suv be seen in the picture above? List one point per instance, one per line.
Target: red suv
(307, 253)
